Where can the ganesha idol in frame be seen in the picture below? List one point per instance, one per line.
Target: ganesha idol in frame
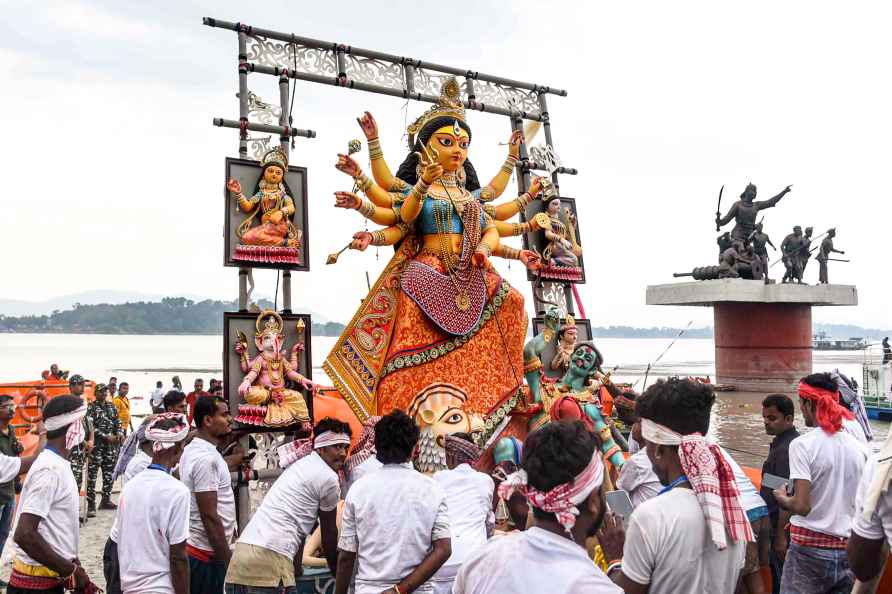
(269, 402)
(267, 235)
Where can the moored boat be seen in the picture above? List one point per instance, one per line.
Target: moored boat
(29, 397)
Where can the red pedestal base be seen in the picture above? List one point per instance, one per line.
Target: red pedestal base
(762, 347)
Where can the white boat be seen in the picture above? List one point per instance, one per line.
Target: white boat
(822, 342)
(876, 383)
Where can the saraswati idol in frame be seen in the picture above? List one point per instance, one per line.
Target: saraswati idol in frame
(267, 234)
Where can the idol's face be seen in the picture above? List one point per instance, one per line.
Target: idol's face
(451, 148)
(583, 360)
(269, 342)
(273, 174)
(554, 207)
(570, 335)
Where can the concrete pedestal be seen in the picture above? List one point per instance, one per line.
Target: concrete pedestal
(763, 332)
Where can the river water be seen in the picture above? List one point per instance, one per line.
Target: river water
(143, 360)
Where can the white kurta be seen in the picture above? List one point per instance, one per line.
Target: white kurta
(532, 562)
(469, 497)
(391, 518)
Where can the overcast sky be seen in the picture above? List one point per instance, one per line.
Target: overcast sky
(113, 172)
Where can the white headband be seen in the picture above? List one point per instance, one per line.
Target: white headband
(329, 438)
(167, 438)
(659, 434)
(65, 419)
(76, 433)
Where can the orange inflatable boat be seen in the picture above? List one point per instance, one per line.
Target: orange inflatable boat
(29, 397)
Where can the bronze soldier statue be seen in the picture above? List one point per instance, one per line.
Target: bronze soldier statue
(760, 241)
(745, 211)
(824, 255)
(790, 255)
(725, 242)
(805, 251)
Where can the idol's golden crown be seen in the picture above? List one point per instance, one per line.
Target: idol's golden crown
(269, 322)
(275, 156)
(449, 104)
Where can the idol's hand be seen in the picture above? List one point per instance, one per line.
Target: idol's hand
(531, 259)
(243, 388)
(369, 126)
(276, 217)
(514, 143)
(535, 187)
(480, 260)
(297, 348)
(347, 165)
(431, 173)
(240, 347)
(347, 200)
(308, 385)
(234, 186)
(361, 241)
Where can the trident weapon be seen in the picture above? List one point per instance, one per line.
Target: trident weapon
(718, 210)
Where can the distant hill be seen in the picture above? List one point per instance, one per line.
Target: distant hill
(654, 332)
(849, 331)
(19, 307)
(170, 315)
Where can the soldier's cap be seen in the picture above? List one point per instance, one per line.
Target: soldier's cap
(75, 379)
(100, 388)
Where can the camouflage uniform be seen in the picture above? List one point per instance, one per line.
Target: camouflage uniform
(105, 420)
(78, 456)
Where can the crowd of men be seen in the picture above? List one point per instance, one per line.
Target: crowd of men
(697, 523)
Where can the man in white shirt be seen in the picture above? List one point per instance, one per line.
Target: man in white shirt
(825, 464)
(45, 543)
(872, 523)
(469, 498)
(395, 527)
(212, 521)
(267, 554)
(562, 478)
(152, 523)
(691, 538)
(157, 397)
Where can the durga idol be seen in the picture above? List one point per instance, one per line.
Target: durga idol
(439, 312)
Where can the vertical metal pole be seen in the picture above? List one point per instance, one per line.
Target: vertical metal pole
(284, 116)
(243, 495)
(243, 144)
(285, 121)
(523, 176)
(546, 125)
(243, 93)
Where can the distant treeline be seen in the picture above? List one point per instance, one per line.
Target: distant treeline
(172, 315)
(655, 332)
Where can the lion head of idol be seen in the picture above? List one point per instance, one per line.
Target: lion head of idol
(439, 410)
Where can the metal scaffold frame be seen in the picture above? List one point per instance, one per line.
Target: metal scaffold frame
(293, 57)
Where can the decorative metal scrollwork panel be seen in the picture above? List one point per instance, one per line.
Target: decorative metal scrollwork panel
(291, 56)
(373, 71)
(429, 83)
(506, 97)
(261, 111)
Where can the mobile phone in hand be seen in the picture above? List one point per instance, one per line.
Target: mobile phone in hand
(775, 482)
(619, 503)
